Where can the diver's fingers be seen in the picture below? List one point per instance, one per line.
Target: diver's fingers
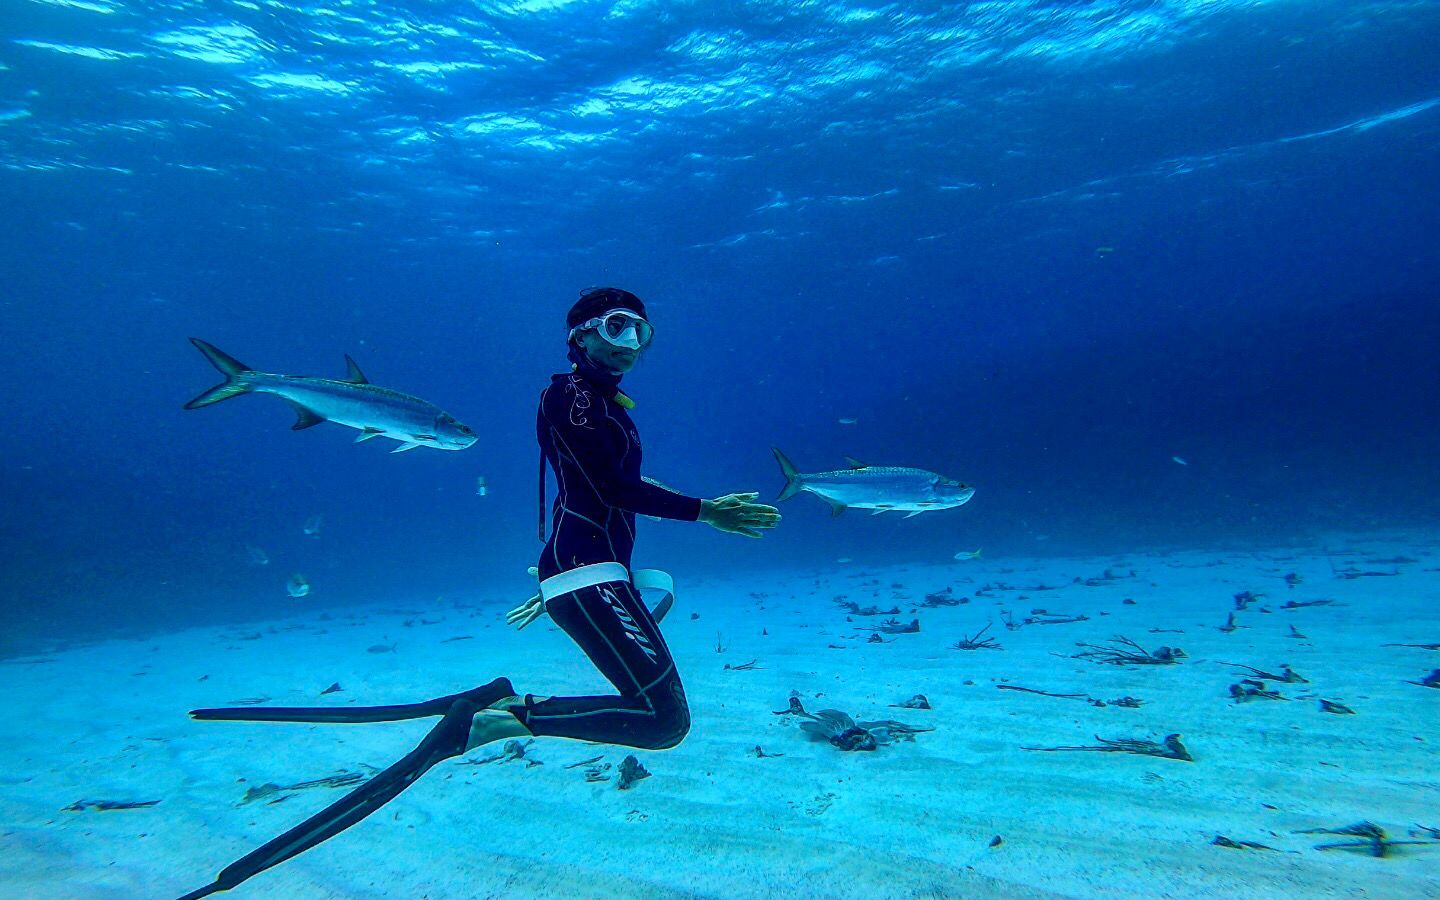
(732, 500)
(525, 613)
(747, 532)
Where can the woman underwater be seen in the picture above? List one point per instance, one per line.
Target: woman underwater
(588, 439)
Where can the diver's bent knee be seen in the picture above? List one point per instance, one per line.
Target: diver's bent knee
(679, 728)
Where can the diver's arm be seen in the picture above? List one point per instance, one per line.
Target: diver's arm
(639, 496)
(598, 443)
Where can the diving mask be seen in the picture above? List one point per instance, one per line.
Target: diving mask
(620, 327)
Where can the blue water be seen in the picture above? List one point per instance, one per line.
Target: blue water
(1041, 248)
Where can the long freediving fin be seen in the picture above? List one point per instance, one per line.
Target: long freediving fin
(444, 741)
(480, 696)
(447, 739)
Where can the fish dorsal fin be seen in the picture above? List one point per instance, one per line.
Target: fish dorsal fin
(353, 373)
(854, 463)
(305, 418)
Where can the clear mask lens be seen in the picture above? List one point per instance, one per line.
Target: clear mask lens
(626, 330)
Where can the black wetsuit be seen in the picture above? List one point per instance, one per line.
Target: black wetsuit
(591, 443)
(592, 446)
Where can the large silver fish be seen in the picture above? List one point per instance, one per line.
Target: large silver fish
(880, 488)
(353, 402)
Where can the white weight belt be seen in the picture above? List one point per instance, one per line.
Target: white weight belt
(604, 573)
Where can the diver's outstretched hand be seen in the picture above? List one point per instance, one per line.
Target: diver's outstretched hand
(739, 514)
(526, 612)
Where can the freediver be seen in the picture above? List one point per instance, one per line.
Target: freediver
(589, 441)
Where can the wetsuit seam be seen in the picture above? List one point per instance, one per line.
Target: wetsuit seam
(606, 638)
(582, 517)
(599, 497)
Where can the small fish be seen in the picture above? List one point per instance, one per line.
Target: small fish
(481, 489)
(270, 788)
(878, 488)
(312, 525)
(381, 648)
(297, 586)
(1104, 251)
(258, 556)
(105, 805)
(351, 401)
(968, 554)
(849, 421)
(843, 560)
(1178, 461)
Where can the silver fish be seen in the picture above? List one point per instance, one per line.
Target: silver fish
(312, 525)
(297, 586)
(352, 401)
(878, 488)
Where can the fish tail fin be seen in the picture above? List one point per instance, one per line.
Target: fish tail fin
(793, 483)
(234, 370)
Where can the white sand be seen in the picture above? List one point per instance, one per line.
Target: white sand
(107, 722)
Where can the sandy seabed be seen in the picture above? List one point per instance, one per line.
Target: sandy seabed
(959, 811)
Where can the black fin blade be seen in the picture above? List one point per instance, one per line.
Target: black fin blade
(481, 696)
(444, 741)
(447, 739)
